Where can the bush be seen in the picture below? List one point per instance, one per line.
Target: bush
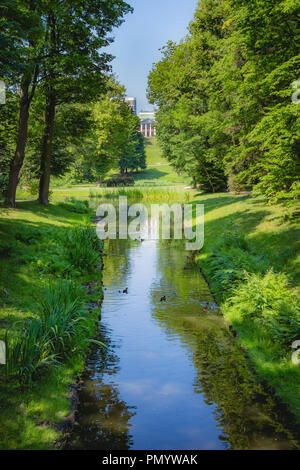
(268, 300)
(119, 180)
(231, 259)
(28, 236)
(74, 205)
(6, 248)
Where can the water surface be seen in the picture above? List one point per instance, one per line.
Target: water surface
(173, 376)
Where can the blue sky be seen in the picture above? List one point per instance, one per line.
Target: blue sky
(137, 41)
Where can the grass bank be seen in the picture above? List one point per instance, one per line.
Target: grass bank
(47, 281)
(251, 259)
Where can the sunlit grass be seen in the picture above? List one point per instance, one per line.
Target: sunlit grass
(29, 415)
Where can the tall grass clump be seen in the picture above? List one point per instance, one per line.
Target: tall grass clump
(82, 248)
(29, 353)
(60, 331)
(63, 314)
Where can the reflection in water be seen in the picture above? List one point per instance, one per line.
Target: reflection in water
(104, 416)
(173, 377)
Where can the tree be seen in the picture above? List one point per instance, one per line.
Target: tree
(224, 94)
(116, 131)
(21, 33)
(56, 45)
(73, 71)
(136, 159)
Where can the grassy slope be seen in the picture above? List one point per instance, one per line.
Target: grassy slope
(279, 243)
(25, 413)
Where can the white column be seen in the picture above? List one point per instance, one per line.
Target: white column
(150, 129)
(141, 128)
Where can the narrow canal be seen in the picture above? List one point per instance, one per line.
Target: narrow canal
(173, 376)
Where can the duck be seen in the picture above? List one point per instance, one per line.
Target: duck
(125, 291)
(163, 299)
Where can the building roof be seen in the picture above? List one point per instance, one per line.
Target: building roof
(147, 115)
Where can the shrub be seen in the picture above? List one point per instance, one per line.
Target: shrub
(74, 205)
(6, 248)
(235, 185)
(119, 180)
(28, 235)
(230, 260)
(268, 300)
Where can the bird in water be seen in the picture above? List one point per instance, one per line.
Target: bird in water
(125, 291)
(163, 299)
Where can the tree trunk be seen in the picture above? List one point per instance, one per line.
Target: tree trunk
(47, 149)
(49, 116)
(25, 100)
(17, 162)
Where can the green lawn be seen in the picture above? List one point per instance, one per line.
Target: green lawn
(29, 415)
(159, 171)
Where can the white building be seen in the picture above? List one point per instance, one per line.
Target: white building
(148, 124)
(132, 103)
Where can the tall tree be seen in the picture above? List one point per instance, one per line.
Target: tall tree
(56, 45)
(225, 97)
(74, 68)
(115, 128)
(21, 35)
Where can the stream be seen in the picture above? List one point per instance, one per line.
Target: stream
(173, 376)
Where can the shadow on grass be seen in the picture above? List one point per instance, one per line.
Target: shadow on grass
(213, 203)
(280, 245)
(150, 174)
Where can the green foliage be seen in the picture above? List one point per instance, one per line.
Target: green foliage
(29, 353)
(8, 133)
(225, 98)
(59, 332)
(268, 300)
(63, 313)
(81, 248)
(230, 259)
(120, 180)
(6, 248)
(136, 159)
(74, 205)
(28, 235)
(116, 129)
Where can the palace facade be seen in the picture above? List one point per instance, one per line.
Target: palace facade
(147, 118)
(148, 124)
